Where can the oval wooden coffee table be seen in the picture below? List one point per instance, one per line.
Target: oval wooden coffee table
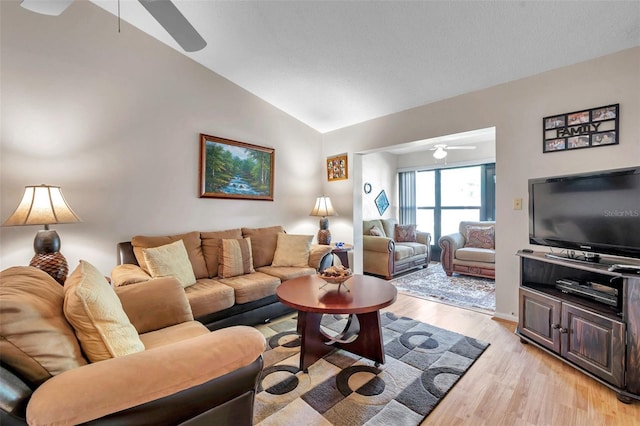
(361, 296)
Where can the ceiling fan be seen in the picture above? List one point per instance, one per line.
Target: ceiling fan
(440, 150)
(163, 11)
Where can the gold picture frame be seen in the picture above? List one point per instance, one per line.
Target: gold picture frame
(337, 168)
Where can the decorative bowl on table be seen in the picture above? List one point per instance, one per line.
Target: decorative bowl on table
(335, 274)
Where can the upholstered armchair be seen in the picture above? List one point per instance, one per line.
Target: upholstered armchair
(471, 250)
(389, 248)
(133, 355)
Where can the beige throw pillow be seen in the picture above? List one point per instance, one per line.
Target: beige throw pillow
(170, 260)
(235, 257)
(292, 250)
(95, 312)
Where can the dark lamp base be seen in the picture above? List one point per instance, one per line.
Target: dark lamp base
(324, 237)
(53, 264)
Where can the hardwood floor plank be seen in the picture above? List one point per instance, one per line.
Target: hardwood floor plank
(513, 383)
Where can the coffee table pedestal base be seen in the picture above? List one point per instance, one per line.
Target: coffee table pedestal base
(361, 336)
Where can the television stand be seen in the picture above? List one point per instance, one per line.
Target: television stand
(589, 259)
(585, 315)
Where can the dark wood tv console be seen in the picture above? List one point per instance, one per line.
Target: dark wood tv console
(596, 335)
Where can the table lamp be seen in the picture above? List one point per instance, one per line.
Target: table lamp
(323, 208)
(45, 205)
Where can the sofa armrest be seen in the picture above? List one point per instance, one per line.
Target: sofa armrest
(378, 244)
(118, 384)
(449, 244)
(128, 274)
(155, 304)
(317, 253)
(423, 238)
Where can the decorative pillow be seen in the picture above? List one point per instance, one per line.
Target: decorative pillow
(191, 241)
(96, 314)
(292, 250)
(376, 232)
(263, 243)
(211, 247)
(35, 338)
(235, 257)
(170, 260)
(405, 233)
(480, 237)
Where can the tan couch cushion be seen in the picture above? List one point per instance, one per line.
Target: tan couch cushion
(191, 242)
(476, 254)
(208, 296)
(96, 314)
(287, 272)
(127, 273)
(170, 260)
(292, 250)
(235, 257)
(173, 334)
(35, 337)
(403, 252)
(211, 247)
(250, 287)
(263, 243)
(155, 304)
(389, 226)
(368, 224)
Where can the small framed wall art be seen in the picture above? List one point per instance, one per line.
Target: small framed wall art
(382, 202)
(337, 168)
(581, 129)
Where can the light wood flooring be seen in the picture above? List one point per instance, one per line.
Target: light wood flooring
(513, 383)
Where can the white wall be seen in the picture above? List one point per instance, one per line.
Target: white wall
(114, 118)
(379, 169)
(516, 110)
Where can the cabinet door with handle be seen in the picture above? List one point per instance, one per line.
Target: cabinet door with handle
(540, 318)
(594, 342)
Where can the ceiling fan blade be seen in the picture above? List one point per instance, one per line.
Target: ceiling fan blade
(46, 7)
(172, 20)
(461, 147)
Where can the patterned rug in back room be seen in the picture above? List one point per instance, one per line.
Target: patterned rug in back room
(422, 364)
(464, 291)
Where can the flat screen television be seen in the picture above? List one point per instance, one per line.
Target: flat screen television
(592, 213)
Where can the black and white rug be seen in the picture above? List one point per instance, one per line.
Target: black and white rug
(422, 364)
(463, 291)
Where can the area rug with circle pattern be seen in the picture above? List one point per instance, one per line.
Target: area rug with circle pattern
(422, 364)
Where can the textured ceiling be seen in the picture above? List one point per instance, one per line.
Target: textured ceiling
(332, 64)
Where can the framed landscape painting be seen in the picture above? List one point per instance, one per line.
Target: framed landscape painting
(232, 169)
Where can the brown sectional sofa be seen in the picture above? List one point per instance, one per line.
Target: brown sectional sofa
(217, 302)
(182, 373)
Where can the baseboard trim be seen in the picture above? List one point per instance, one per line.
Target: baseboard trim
(506, 317)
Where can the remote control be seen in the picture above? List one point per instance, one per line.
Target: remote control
(619, 267)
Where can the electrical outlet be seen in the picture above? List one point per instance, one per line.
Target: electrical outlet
(517, 203)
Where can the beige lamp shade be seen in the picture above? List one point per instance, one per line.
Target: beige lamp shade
(42, 205)
(323, 208)
(45, 205)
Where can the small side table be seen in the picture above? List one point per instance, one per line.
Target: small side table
(342, 253)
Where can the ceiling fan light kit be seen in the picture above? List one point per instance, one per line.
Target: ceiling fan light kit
(440, 150)
(439, 153)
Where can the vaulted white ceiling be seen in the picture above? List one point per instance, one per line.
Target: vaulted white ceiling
(332, 64)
